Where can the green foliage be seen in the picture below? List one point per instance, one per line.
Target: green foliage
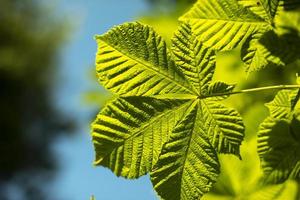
(279, 139)
(133, 60)
(259, 51)
(223, 25)
(167, 119)
(165, 109)
(130, 131)
(241, 179)
(188, 164)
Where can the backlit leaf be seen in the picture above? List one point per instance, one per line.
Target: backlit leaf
(133, 60)
(167, 118)
(188, 164)
(197, 62)
(223, 24)
(129, 132)
(279, 139)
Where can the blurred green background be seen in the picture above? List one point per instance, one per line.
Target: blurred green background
(49, 95)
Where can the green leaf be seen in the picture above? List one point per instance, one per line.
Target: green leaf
(223, 125)
(265, 8)
(241, 179)
(279, 139)
(129, 132)
(188, 164)
(261, 51)
(133, 60)
(223, 24)
(283, 104)
(196, 62)
(279, 150)
(254, 54)
(138, 131)
(276, 47)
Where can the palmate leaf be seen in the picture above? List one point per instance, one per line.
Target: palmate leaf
(276, 47)
(269, 8)
(160, 108)
(279, 150)
(198, 65)
(279, 139)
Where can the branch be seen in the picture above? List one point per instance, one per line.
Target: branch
(275, 87)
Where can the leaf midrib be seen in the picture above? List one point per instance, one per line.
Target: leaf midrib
(191, 135)
(217, 124)
(228, 20)
(266, 11)
(194, 46)
(148, 66)
(189, 142)
(146, 125)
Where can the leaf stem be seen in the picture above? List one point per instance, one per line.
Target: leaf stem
(274, 87)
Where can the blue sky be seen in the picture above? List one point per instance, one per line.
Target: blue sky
(78, 179)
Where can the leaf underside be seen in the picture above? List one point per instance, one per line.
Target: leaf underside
(130, 131)
(225, 24)
(188, 164)
(166, 118)
(279, 139)
(165, 109)
(261, 51)
(264, 8)
(132, 60)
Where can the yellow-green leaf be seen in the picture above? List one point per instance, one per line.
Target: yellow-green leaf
(188, 164)
(196, 61)
(279, 138)
(133, 60)
(144, 125)
(223, 24)
(129, 132)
